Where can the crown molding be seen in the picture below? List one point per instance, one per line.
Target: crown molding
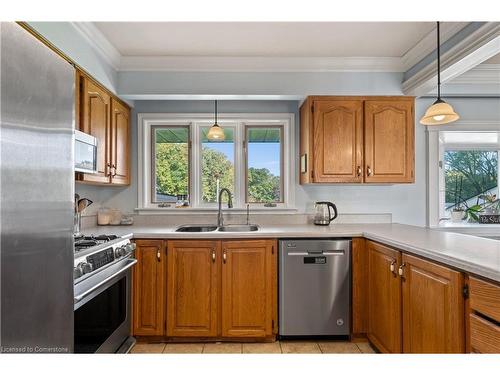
(488, 74)
(260, 64)
(471, 51)
(428, 43)
(99, 43)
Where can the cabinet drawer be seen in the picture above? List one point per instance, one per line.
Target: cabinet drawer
(485, 298)
(484, 335)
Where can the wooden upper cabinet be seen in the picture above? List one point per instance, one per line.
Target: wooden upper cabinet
(358, 139)
(433, 308)
(149, 286)
(389, 141)
(192, 288)
(105, 117)
(248, 273)
(338, 141)
(120, 139)
(384, 298)
(95, 120)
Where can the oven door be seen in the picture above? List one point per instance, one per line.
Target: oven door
(103, 310)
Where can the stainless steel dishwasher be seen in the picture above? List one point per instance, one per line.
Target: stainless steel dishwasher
(315, 287)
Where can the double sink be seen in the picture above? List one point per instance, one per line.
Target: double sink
(195, 228)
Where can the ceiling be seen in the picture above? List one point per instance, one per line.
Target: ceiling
(271, 39)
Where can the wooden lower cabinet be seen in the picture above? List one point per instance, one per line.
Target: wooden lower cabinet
(483, 316)
(148, 290)
(433, 307)
(193, 288)
(248, 272)
(414, 305)
(221, 289)
(384, 298)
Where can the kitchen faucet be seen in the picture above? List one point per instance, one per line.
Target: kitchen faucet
(220, 218)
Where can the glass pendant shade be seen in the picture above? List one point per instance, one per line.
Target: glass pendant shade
(216, 133)
(439, 113)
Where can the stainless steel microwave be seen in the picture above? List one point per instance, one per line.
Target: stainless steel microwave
(85, 153)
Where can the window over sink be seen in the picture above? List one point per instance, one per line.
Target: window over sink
(178, 162)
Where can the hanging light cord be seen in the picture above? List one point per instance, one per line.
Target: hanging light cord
(216, 112)
(439, 61)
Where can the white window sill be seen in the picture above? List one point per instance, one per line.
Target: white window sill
(465, 225)
(209, 210)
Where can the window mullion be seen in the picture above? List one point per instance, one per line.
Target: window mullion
(239, 168)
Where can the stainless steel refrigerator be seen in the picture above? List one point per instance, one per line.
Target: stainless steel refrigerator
(37, 189)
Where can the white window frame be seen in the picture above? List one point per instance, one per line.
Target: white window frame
(435, 167)
(197, 120)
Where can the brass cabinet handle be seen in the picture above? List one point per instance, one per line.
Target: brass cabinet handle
(359, 170)
(108, 170)
(368, 171)
(113, 166)
(393, 267)
(224, 256)
(158, 255)
(401, 270)
(213, 256)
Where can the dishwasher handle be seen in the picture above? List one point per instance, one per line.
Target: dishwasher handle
(313, 253)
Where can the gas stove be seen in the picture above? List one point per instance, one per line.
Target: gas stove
(102, 293)
(95, 253)
(84, 242)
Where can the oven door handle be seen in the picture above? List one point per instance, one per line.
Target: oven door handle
(81, 296)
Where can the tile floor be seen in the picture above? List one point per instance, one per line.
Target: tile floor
(278, 347)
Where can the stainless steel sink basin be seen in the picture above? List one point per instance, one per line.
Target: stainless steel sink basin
(239, 228)
(196, 228)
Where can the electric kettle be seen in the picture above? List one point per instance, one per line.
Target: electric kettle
(323, 215)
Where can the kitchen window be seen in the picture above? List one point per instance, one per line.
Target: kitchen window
(263, 168)
(468, 169)
(255, 161)
(170, 163)
(467, 174)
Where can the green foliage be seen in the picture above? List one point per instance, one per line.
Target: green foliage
(172, 174)
(215, 165)
(263, 186)
(478, 170)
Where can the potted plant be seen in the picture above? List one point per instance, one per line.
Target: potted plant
(458, 213)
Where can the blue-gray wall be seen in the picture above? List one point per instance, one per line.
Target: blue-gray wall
(64, 36)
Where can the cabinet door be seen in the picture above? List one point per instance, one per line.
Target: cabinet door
(389, 141)
(120, 172)
(248, 271)
(192, 293)
(384, 298)
(149, 288)
(95, 120)
(433, 308)
(338, 141)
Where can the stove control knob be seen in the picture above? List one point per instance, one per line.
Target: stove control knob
(130, 247)
(122, 251)
(86, 267)
(77, 272)
(118, 253)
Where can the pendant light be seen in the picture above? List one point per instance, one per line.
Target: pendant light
(439, 112)
(216, 133)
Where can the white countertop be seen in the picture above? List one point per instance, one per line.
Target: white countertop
(479, 256)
